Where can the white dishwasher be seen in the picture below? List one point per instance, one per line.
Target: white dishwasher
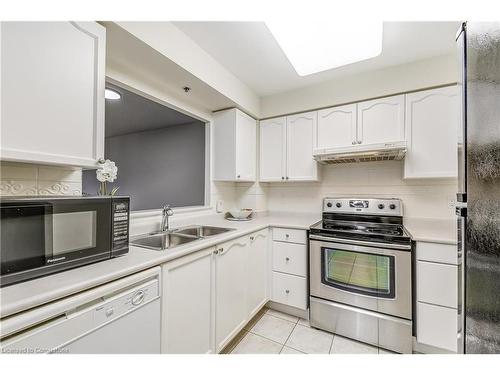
(122, 316)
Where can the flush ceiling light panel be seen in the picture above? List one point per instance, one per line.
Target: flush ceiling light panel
(318, 46)
(112, 94)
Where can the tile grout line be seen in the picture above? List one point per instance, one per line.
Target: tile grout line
(331, 345)
(288, 338)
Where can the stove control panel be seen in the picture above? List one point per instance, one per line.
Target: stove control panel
(367, 206)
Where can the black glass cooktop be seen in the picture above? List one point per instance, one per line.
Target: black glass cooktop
(376, 229)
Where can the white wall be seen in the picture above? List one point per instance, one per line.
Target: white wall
(421, 198)
(388, 81)
(32, 179)
(178, 47)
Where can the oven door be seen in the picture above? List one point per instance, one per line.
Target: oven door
(370, 277)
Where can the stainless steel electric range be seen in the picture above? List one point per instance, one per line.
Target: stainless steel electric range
(361, 272)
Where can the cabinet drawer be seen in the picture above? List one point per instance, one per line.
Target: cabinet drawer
(437, 252)
(437, 326)
(437, 284)
(290, 235)
(289, 290)
(290, 258)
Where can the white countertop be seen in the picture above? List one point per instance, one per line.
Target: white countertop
(432, 230)
(29, 294)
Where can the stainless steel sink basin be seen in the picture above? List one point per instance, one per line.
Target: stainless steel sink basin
(163, 241)
(177, 237)
(202, 231)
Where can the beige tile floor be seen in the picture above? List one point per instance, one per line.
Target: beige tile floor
(273, 332)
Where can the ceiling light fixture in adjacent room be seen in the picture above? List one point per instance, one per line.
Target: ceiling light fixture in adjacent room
(112, 94)
(317, 46)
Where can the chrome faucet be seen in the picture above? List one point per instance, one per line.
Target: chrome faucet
(166, 212)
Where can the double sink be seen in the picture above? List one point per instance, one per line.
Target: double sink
(175, 237)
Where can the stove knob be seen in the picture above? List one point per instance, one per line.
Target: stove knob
(392, 206)
(329, 204)
(338, 205)
(381, 206)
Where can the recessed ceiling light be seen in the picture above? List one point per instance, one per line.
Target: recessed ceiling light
(112, 94)
(319, 46)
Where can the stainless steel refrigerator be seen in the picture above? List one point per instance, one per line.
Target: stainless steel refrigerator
(478, 195)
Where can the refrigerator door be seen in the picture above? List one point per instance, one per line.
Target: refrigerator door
(482, 237)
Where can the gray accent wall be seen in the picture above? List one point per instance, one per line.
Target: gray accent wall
(158, 166)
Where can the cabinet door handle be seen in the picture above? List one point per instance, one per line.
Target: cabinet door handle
(353, 142)
(287, 291)
(216, 252)
(252, 238)
(238, 176)
(282, 177)
(287, 177)
(359, 142)
(287, 259)
(287, 235)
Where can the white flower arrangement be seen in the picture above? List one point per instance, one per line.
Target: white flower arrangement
(106, 172)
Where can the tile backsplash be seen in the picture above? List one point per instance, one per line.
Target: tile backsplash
(33, 179)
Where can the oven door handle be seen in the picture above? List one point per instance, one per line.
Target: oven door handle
(361, 243)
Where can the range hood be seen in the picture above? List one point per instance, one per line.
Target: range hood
(361, 153)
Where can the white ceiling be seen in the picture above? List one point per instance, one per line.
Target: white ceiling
(250, 52)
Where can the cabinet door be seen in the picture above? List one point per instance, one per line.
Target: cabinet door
(381, 120)
(53, 77)
(258, 267)
(188, 304)
(336, 127)
(230, 290)
(437, 326)
(246, 147)
(272, 149)
(301, 138)
(431, 128)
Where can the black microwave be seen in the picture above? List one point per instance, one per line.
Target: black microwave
(47, 234)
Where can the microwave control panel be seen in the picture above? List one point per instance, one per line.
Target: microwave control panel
(120, 224)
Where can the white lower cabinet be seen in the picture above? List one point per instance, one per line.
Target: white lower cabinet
(210, 295)
(230, 289)
(187, 304)
(437, 326)
(437, 295)
(289, 268)
(257, 280)
(289, 290)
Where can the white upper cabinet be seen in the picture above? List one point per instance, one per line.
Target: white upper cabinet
(381, 120)
(336, 127)
(286, 148)
(301, 138)
(52, 92)
(431, 127)
(273, 149)
(234, 146)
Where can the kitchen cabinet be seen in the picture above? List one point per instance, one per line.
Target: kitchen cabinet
(431, 132)
(289, 268)
(231, 267)
(234, 146)
(188, 304)
(301, 138)
(273, 149)
(381, 120)
(337, 127)
(53, 80)
(437, 294)
(286, 148)
(257, 282)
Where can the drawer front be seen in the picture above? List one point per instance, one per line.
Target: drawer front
(437, 284)
(290, 235)
(290, 258)
(289, 290)
(437, 326)
(437, 252)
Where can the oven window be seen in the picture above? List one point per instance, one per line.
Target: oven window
(362, 273)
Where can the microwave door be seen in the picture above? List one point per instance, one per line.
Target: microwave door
(26, 236)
